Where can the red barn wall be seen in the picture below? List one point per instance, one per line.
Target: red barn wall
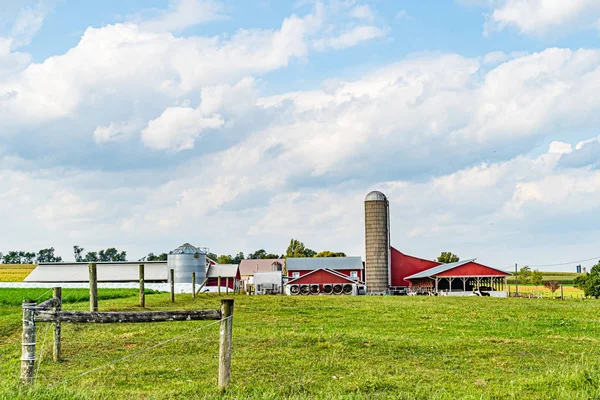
(341, 271)
(403, 266)
(472, 269)
(215, 282)
(320, 276)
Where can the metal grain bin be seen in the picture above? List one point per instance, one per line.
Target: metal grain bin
(377, 243)
(187, 259)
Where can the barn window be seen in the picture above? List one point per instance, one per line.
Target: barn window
(353, 274)
(295, 274)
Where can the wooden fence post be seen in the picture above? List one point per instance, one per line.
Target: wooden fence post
(561, 292)
(219, 284)
(193, 285)
(28, 342)
(142, 292)
(225, 343)
(172, 279)
(57, 294)
(93, 287)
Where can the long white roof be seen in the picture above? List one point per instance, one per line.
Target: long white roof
(107, 272)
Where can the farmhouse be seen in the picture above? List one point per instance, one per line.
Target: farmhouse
(249, 267)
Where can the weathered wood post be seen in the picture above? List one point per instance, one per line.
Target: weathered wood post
(172, 279)
(225, 343)
(227, 285)
(57, 294)
(93, 287)
(142, 293)
(193, 285)
(219, 284)
(28, 342)
(561, 292)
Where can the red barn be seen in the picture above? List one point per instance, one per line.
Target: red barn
(352, 267)
(229, 274)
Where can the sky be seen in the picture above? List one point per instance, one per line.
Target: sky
(238, 125)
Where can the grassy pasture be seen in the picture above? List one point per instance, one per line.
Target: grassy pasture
(328, 347)
(15, 272)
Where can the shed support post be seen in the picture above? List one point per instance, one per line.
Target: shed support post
(142, 293)
(436, 284)
(57, 294)
(464, 281)
(172, 279)
(478, 283)
(93, 287)
(28, 343)
(193, 285)
(450, 284)
(225, 343)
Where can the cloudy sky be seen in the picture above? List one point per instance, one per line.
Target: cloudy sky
(238, 125)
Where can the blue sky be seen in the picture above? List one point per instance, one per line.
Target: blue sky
(238, 125)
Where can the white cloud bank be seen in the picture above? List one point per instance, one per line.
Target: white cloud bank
(541, 17)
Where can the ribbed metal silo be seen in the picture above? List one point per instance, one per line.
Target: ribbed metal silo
(377, 242)
(187, 259)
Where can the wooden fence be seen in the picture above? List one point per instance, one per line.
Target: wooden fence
(51, 311)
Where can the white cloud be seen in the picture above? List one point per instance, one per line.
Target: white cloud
(541, 17)
(27, 24)
(185, 13)
(350, 38)
(116, 131)
(362, 12)
(177, 128)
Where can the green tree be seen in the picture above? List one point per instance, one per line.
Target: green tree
(12, 257)
(111, 255)
(239, 257)
(28, 257)
(297, 249)
(153, 257)
(524, 275)
(212, 256)
(78, 253)
(447, 257)
(257, 255)
(224, 259)
(47, 256)
(537, 278)
(327, 253)
(590, 282)
(91, 256)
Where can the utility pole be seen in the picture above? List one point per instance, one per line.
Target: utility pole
(516, 281)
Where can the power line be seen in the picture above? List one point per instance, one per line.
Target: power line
(565, 263)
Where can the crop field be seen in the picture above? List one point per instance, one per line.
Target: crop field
(15, 272)
(560, 277)
(322, 347)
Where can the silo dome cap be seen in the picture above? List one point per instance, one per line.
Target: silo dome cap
(375, 196)
(187, 248)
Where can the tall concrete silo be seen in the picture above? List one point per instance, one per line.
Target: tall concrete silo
(187, 259)
(377, 242)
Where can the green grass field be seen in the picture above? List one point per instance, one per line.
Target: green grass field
(325, 347)
(560, 277)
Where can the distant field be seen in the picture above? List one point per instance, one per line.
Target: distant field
(561, 277)
(332, 347)
(15, 272)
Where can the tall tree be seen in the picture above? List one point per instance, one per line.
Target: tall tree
(78, 253)
(297, 249)
(257, 255)
(12, 257)
(91, 256)
(238, 258)
(111, 255)
(447, 257)
(524, 275)
(47, 256)
(327, 253)
(590, 282)
(537, 278)
(28, 257)
(224, 259)
(212, 256)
